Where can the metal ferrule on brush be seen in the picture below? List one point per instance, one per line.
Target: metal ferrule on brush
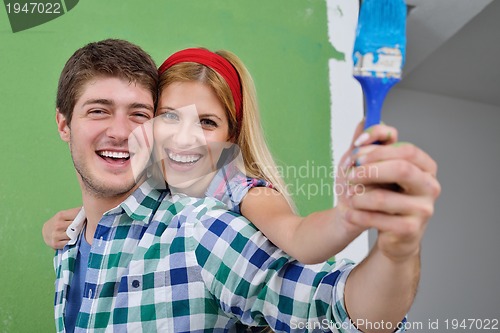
(386, 63)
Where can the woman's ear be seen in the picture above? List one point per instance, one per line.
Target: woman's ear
(63, 126)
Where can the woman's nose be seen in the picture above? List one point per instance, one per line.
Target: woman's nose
(188, 135)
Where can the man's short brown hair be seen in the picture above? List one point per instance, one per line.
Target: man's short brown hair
(107, 58)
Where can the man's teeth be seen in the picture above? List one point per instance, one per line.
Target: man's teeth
(183, 158)
(114, 154)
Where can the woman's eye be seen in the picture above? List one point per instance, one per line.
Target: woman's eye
(208, 123)
(169, 115)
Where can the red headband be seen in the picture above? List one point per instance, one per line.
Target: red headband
(217, 63)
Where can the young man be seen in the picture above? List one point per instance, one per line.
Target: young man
(144, 261)
(105, 90)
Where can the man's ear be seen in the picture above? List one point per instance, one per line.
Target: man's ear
(63, 126)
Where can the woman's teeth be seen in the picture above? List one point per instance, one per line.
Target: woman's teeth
(183, 158)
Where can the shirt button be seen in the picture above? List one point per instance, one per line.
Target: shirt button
(136, 283)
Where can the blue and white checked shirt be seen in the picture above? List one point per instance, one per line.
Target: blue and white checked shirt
(178, 264)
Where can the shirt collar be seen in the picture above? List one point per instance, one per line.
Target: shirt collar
(76, 227)
(142, 204)
(139, 206)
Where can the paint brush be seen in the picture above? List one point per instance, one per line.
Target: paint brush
(379, 52)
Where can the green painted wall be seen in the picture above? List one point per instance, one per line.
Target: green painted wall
(284, 44)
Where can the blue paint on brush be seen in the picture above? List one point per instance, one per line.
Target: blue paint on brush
(381, 23)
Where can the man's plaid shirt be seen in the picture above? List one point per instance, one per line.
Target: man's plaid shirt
(178, 264)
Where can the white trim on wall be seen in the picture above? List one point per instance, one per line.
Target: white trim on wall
(346, 96)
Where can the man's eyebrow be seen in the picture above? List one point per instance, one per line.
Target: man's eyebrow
(142, 106)
(104, 101)
(98, 101)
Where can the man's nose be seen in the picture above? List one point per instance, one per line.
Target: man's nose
(119, 127)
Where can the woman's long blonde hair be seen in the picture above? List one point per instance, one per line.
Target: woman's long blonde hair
(248, 135)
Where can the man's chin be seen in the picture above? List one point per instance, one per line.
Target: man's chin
(105, 188)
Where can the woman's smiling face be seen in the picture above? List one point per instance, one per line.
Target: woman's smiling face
(190, 131)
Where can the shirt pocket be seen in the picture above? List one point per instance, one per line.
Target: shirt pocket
(141, 298)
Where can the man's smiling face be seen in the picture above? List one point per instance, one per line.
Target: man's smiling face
(108, 110)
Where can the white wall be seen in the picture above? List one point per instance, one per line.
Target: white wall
(461, 249)
(346, 97)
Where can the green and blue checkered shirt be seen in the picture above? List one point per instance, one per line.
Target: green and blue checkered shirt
(177, 264)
